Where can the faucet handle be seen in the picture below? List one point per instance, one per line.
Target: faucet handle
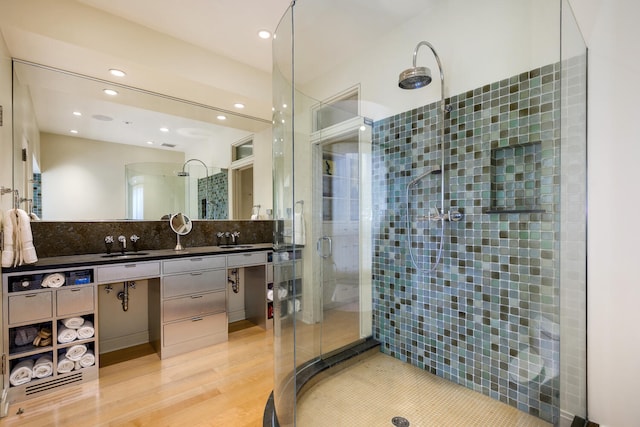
(134, 238)
(219, 234)
(108, 239)
(236, 234)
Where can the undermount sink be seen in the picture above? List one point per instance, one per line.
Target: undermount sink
(125, 255)
(235, 246)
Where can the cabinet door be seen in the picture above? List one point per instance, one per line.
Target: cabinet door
(74, 300)
(193, 306)
(193, 283)
(30, 307)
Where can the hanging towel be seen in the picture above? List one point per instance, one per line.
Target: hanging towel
(66, 335)
(18, 240)
(87, 359)
(86, 330)
(75, 352)
(43, 367)
(21, 373)
(298, 227)
(64, 365)
(73, 322)
(53, 280)
(7, 250)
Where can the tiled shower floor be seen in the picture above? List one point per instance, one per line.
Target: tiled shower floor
(373, 391)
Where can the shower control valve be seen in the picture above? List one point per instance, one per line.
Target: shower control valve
(454, 215)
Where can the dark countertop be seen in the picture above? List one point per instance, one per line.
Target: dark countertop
(70, 261)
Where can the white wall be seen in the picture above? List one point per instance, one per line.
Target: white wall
(85, 179)
(612, 32)
(6, 142)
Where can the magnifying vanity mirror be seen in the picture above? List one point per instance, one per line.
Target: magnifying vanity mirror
(181, 225)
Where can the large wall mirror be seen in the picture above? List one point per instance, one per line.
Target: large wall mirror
(90, 155)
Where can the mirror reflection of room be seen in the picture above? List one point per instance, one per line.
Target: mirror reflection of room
(132, 155)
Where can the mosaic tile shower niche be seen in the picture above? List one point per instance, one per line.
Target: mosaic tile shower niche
(487, 317)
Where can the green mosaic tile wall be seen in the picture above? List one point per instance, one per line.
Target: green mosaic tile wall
(487, 317)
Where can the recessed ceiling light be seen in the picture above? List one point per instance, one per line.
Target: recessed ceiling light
(150, 142)
(221, 117)
(77, 113)
(264, 34)
(238, 105)
(110, 92)
(73, 131)
(117, 73)
(164, 129)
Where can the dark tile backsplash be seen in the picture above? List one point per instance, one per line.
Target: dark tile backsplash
(58, 238)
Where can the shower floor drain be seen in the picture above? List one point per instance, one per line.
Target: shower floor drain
(400, 422)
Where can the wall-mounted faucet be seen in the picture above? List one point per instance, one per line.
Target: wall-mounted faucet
(123, 243)
(108, 241)
(234, 237)
(134, 242)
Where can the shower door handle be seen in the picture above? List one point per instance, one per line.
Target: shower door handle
(320, 247)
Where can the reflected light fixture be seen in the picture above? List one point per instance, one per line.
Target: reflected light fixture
(264, 34)
(73, 131)
(77, 113)
(238, 105)
(163, 129)
(150, 142)
(110, 92)
(117, 73)
(221, 117)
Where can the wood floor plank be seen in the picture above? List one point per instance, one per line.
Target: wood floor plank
(224, 384)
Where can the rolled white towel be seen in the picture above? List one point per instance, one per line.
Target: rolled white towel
(87, 359)
(86, 330)
(64, 365)
(270, 294)
(25, 335)
(73, 322)
(43, 367)
(75, 352)
(53, 280)
(21, 373)
(282, 293)
(66, 335)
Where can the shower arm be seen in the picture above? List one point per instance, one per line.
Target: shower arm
(442, 111)
(206, 171)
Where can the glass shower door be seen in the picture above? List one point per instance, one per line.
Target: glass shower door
(338, 249)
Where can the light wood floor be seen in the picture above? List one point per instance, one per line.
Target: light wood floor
(223, 385)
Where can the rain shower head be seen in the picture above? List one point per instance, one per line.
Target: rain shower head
(182, 173)
(414, 78)
(417, 77)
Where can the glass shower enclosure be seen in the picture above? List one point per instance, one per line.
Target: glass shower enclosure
(503, 311)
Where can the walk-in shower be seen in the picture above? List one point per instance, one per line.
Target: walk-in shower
(379, 167)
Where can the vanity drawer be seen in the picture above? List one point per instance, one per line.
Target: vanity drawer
(250, 258)
(191, 329)
(193, 264)
(129, 271)
(191, 283)
(194, 305)
(74, 300)
(30, 307)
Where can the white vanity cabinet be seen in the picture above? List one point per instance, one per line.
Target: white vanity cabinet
(30, 310)
(189, 310)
